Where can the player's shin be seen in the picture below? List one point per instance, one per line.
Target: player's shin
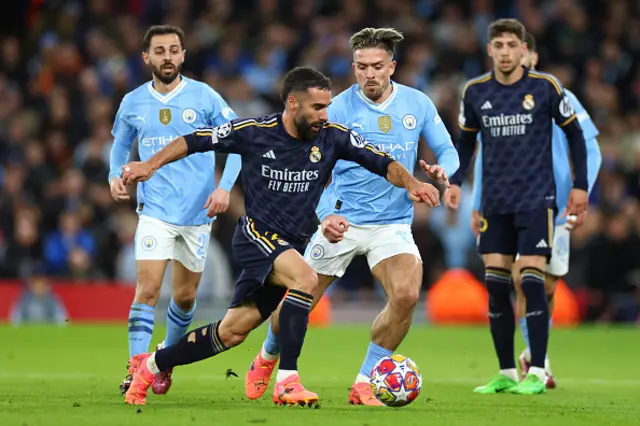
(178, 322)
(374, 354)
(501, 318)
(537, 313)
(141, 321)
(196, 345)
(294, 317)
(271, 346)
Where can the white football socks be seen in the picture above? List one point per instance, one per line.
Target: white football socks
(361, 378)
(151, 364)
(283, 374)
(511, 373)
(538, 372)
(267, 356)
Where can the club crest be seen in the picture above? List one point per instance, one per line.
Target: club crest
(528, 102)
(315, 155)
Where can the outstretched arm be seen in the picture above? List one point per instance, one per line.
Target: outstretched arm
(356, 149)
(221, 139)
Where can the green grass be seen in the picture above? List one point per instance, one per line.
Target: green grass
(70, 376)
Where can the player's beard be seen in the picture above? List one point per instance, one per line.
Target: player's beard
(164, 77)
(305, 129)
(375, 92)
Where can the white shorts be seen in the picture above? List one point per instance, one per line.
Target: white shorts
(559, 263)
(558, 266)
(376, 242)
(158, 240)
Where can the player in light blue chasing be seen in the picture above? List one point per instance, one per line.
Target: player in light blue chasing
(177, 205)
(362, 213)
(559, 263)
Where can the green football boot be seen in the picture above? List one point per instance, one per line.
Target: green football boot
(499, 383)
(531, 385)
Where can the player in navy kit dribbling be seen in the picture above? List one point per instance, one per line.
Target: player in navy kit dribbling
(513, 108)
(287, 159)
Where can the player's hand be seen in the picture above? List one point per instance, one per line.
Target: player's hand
(217, 203)
(574, 221)
(577, 204)
(452, 197)
(136, 171)
(435, 173)
(333, 228)
(118, 190)
(475, 222)
(426, 193)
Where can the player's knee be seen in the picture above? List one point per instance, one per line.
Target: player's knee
(147, 293)
(185, 298)
(307, 281)
(405, 298)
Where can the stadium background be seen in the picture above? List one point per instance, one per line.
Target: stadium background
(65, 65)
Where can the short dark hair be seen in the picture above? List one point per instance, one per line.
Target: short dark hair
(383, 38)
(301, 79)
(155, 30)
(531, 42)
(511, 26)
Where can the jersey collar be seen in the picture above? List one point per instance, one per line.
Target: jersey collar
(164, 98)
(376, 106)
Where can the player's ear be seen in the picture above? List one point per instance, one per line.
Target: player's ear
(392, 68)
(145, 57)
(292, 102)
(489, 50)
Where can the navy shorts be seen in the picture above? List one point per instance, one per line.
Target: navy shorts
(524, 233)
(255, 249)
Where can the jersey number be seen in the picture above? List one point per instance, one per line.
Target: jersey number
(203, 243)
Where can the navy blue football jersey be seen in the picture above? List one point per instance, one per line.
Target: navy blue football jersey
(515, 123)
(283, 177)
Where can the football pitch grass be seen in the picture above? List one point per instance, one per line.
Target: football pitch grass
(70, 376)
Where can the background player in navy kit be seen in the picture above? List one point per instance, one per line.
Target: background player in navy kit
(559, 263)
(287, 160)
(513, 108)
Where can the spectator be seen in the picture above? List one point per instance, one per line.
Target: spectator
(38, 304)
(69, 250)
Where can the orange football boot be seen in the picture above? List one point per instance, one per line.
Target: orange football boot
(257, 378)
(132, 365)
(142, 379)
(291, 392)
(362, 394)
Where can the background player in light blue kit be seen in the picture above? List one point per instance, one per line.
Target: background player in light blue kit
(559, 263)
(176, 206)
(362, 213)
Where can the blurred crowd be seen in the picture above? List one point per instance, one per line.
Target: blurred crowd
(65, 65)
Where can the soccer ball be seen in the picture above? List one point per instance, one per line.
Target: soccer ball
(396, 380)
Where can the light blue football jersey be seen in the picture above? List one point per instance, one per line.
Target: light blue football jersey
(176, 193)
(561, 160)
(394, 126)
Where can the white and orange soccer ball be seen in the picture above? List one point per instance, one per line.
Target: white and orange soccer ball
(396, 380)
